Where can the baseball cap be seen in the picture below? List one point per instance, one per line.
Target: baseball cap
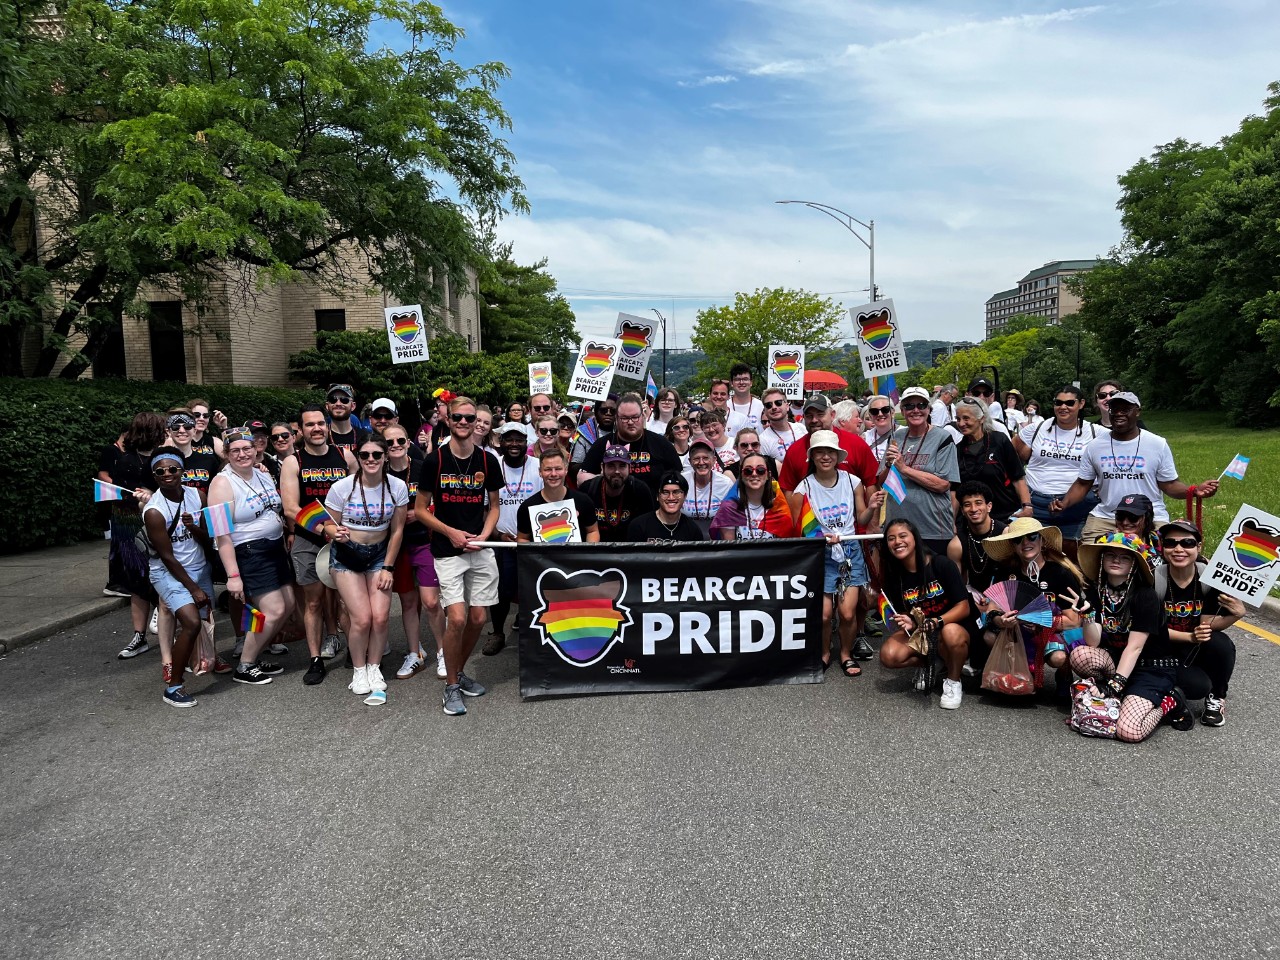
(910, 392)
(384, 403)
(676, 477)
(983, 382)
(341, 388)
(616, 453)
(1135, 504)
(1181, 526)
(256, 426)
(1125, 397)
(702, 442)
(817, 402)
(513, 426)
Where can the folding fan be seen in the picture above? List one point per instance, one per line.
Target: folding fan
(1039, 612)
(1030, 603)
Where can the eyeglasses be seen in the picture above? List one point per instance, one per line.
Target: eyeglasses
(462, 417)
(666, 399)
(170, 471)
(879, 411)
(374, 455)
(277, 437)
(1106, 396)
(671, 494)
(547, 431)
(338, 398)
(777, 403)
(398, 442)
(634, 418)
(1027, 538)
(742, 378)
(1069, 402)
(909, 406)
(755, 471)
(1186, 543)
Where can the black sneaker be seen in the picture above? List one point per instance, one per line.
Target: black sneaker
(252, 675)
(315, 672)
(1214, 711)
(115, 590)
(134, 647)
(179, 698)
(270, 669)
(862, 649)
(1176, 712)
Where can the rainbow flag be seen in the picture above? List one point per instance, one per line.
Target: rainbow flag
(634, 339)
(1255, 547)
(312, 517)
(886, 608)
(554, 528)
(405, 326)
(597, 359)
(886, 387)
(103, 491)
(1236, 468)
(582, 621)
(808, 523)
(253, 619)
(219, 520)
(894, 485)
(588, 431)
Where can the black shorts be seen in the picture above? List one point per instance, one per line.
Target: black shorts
(264, 566)
(1151, 683)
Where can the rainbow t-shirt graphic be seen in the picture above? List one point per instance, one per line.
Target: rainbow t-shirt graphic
(635, 339)
(876, 329)
(786, 366)
(555, 527)
(598, 358)
(1255, 547)
(404, 326)
(581, 616)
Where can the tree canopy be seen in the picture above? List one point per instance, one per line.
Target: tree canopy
(520, 310)
(168, 142)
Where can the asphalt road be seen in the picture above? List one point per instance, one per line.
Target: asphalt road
(848, 819)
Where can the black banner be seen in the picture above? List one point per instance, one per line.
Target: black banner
(634, 617)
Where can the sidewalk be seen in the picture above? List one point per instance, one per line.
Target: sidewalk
(45, 591)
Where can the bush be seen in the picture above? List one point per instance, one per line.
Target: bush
(52, 431)
(1245, 387)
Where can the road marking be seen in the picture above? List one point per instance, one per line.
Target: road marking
(1258, 631)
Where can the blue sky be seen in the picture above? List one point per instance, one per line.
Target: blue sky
(984, 139)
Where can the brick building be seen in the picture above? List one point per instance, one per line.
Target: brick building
(1040, 293)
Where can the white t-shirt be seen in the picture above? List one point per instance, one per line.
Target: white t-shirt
(836, 507)
(518, 485)
(1015, 419)
(186, 548)
(878, 445)
(727, 455)
(1122, 467)
(734, 421)
(657, 426)
(774, 442)
(940, 414)
(368, 509)
(701, 503)
(1055, 454)
(752, 410)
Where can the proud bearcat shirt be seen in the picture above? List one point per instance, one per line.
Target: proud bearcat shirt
(1122, 467)
(460, 488)
(651, 457)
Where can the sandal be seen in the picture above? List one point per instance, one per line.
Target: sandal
(851, 668)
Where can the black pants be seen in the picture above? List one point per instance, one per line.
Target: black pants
(1207, 667)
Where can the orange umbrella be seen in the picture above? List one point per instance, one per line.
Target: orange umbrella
(823, 380)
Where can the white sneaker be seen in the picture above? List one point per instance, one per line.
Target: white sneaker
(952, 694)
(441, 672)
(373, 673)
(412, 664)
(359, 684)
(154, 626)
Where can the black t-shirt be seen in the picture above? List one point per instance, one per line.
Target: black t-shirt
(109, 457)
(132, 470)
(980, 571)
(1143, 615)
(993, 461)
(199, 469)
(651, 457)
(647, 528)
(1055, 580)
(416, 533)
(460, 489)
(348, 441)
(582, 505)
(1184, 606)
(933, 592)
(614, 514)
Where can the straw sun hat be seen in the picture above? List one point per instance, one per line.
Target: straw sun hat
(1091, 555)
(1002, 547)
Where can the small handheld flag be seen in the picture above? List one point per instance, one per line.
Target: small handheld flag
(253, 619)
(1236, 468)
(894, 485)
(588, 432)
(103, 491)
(313, 517)
(650, 388)
(218, 518)
(809, 525)
(886, 609)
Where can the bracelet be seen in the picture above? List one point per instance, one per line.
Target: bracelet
(1025, 505)
(233, 576)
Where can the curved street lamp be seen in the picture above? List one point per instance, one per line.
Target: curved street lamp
(663, 321)
(847, 221)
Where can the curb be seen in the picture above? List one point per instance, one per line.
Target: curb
(67, 618)
(1271, 607)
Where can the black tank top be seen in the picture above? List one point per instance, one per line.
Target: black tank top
(316, 474)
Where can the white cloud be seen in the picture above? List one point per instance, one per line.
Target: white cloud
(712, 81)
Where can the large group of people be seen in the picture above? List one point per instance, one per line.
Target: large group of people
(330, 517)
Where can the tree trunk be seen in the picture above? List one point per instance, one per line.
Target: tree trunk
(88, 289)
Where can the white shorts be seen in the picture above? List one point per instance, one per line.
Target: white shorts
(470, 578)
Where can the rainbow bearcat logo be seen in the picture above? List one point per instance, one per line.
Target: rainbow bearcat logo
(635, 338)
(786, 366)
(876, 329)
(555, 527)
(1255, 546)
(598, 358)
(405, 326)
(580, 614)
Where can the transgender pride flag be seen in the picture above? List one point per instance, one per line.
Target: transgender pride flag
(219, 520)
(894, 485)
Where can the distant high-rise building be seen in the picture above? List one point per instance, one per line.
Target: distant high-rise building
(1040, 293)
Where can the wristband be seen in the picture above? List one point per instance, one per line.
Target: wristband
(1025, 505)
(233, 576)
(1117, 684)
(1191, 490)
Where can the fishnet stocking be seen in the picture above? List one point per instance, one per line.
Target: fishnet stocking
(1138, 717)
(1092, 663)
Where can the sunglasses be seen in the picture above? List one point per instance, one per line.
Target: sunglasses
(381, 415)
(879, 411)
(166, 471)
(1106, 396)
(200, 416)
(548, 431)
(339, 398)
(1069, 402)
(277, 437)
(906, 407)
(374, 455)
(398, 442)
(179, 426)
(679, 426)
(755, 471)
(542, 409)
(1028, 538)
(747, 445)
(462, 417)
(1186, 543)
(983, 393)
(776, 403)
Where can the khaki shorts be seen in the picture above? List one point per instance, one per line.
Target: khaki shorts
(1095, 527)
(470, 578)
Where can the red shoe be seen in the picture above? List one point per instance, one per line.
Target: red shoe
(166, 671)
(221, 666)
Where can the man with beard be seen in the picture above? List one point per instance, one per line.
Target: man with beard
(651, 455)
(520, 481)
(553, 471)
(1130, 461)
(604, 417)
(777, 430)
(341, 403)
(617, 496)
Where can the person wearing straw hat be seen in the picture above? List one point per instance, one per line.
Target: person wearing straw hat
(1126, 651)
(1031, 553)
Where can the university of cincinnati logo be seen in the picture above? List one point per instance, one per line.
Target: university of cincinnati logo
(876, 329)
(555, 527)
(580, 614)
(635, 338)
(405, 326)
(1255, 546)
(785, 366)
(598, 358)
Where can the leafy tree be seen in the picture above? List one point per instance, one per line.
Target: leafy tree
(178, 142)
(744, 331)
(521, 311)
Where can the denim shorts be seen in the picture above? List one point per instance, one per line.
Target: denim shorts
(374, 553)
(1069, 521)
(855, 575)
(173, 593)
(264, 566)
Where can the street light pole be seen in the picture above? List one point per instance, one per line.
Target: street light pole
(663, 321)
(847, 221)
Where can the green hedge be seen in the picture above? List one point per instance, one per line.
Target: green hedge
(51, 432)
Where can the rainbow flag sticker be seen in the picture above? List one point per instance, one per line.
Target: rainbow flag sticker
(580, 615)
(877, 330)
(553, 523)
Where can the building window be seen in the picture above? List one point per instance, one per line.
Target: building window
(455, 302)
(109, 362)
(168, 348)
(331, 320)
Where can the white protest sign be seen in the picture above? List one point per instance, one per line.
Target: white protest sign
(1247, 560)
(786, 369)
(539, 378)
(880, 345)
(555, 522)
(636, 335)
(593, 373)
(406, 333)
